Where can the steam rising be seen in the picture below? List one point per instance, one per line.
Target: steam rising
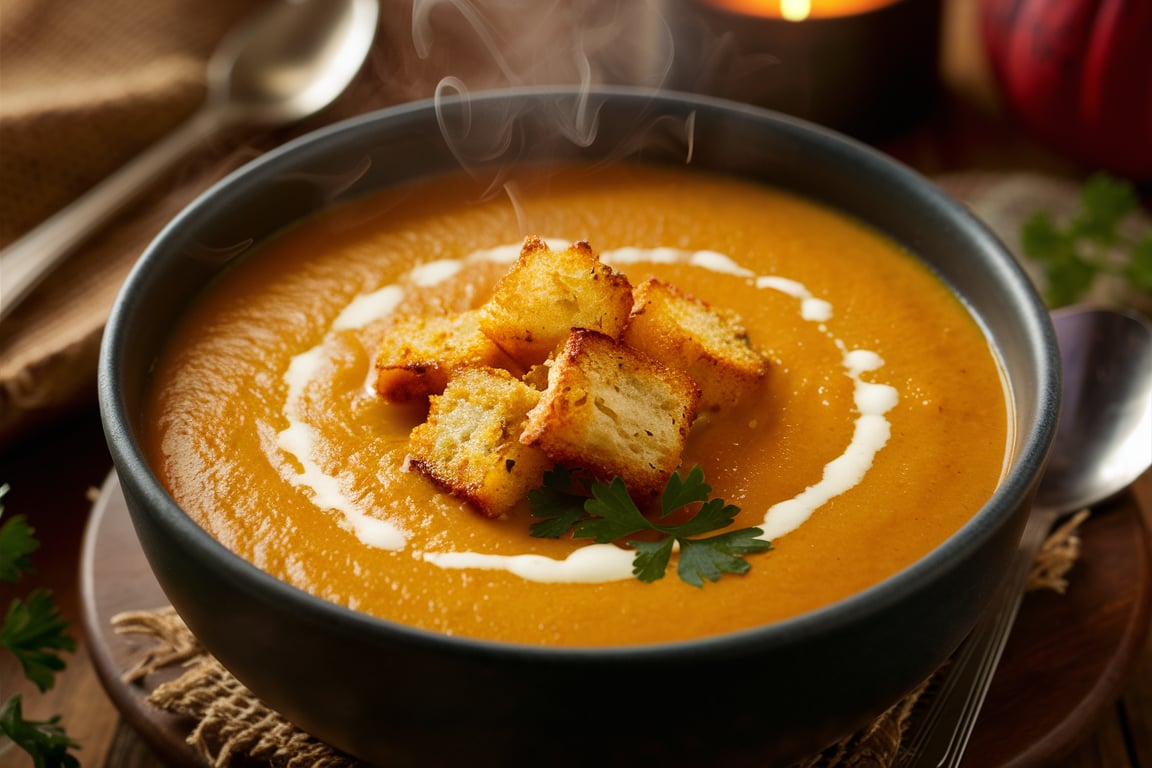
(588, 42)
(518, 44)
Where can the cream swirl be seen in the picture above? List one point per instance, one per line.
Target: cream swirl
(596, 562)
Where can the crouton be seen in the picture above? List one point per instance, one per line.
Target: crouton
(706, 342)
(469, 444)
(549, 292)
(613, 411)
(420, 353)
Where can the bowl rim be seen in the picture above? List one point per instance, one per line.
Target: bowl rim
(1015, 487)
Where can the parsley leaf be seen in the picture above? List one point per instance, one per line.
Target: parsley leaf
(17, 543)
(1090, 244)
(714, 556)
(560, 501)
(1139, 270)
(35, 632)
(681, 491)
(44, 740)
(652, 558)
(611, 514)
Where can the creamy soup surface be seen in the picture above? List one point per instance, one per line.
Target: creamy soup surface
(880, 429)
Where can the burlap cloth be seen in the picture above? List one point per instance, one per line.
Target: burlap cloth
(84, 86)
(230, 727)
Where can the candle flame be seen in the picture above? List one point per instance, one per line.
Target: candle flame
(795, 10)
(799, 10)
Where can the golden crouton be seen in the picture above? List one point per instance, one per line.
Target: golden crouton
(420, 353)
(708, 343)
(549, 292)
(469, 444)
(614, 412)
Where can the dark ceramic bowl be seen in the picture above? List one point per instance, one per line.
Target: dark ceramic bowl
(395, 695)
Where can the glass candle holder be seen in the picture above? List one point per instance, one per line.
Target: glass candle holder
(865, 67)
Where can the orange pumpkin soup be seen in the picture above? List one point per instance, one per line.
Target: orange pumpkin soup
(880, 428)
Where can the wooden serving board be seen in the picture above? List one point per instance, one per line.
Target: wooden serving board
(1068, 657)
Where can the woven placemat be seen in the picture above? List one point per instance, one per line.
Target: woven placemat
(230, 726)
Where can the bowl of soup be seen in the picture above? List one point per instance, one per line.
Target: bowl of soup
(449, 574)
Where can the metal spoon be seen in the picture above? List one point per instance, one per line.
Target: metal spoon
(285, 64)
(1103, 443)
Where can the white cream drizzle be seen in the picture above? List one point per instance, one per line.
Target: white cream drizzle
(594, 563)
(871, 432)
(299, 440)
(367, 307)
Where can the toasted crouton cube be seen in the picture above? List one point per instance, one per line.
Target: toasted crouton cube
(706, 342)
(549, 292)
(614, 412)
(420, 353)
(470, 445)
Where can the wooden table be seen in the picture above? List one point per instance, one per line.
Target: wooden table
(55, 470)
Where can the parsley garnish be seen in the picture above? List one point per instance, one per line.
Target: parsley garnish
(36, 633)
(16, 546)
(1090, 244)
(606, 512)
(44, 740)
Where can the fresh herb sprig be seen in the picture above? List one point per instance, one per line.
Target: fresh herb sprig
(1090, 244)
(606, 512)
(36, 633)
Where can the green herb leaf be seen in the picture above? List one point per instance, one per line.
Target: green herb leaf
(1139, 269)
(682, 491)
(35, 632)
(1090, 245)
(715, 556)
(17, 543)
(652, 558)
(714, 515)
(560, 502)
(1104, 202)
(45, 741)
(611, 514)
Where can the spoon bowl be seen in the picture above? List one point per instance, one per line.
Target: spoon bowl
(289, 62)
(1102, 437)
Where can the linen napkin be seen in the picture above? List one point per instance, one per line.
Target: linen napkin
(84, 86)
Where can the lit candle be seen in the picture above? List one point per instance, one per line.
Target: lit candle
(866, 67)
(798, 10)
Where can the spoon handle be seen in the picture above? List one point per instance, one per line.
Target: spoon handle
(944, 729)
(26, 262)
